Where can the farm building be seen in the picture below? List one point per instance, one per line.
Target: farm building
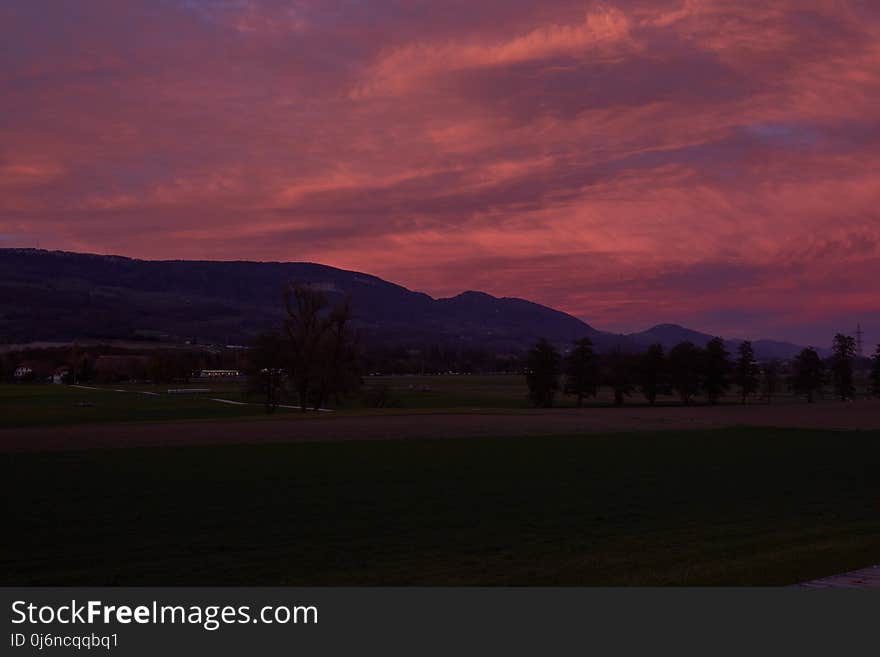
(33, 370)
(217, 374)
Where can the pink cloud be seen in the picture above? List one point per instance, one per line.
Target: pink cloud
(607, 158)
(603, 33)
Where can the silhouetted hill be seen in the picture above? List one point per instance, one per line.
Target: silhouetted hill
(670, 335)
(57, 296)
(51, 295)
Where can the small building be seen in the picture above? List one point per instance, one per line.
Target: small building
(33, 370)
(23, 371)
(218, 374)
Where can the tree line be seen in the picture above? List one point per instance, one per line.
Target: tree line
(316, 357)
(169, 365)
(689, 371)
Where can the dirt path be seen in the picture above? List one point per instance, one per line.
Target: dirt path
(827, 415)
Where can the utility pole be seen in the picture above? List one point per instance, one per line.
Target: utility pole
(859, 352)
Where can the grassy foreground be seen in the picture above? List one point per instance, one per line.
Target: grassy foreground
(55, 405)
(734, 507)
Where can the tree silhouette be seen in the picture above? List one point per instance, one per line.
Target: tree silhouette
(875, 373)
(582, 371)
(652, 373)
(808, 374)
(716, 371)
(542, 373)
(304, 327)
(320, 344)
(685, 370)
(265, 370)
(770, 376)
(618, 373)
(843, 353)
(338, 372)
(745, 373)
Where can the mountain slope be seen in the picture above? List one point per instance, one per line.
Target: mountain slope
(670, 335)
(60, 296)
(56, 295)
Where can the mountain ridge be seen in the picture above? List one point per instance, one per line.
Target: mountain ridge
(51, 295)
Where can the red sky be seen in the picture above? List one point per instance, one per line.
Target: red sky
(708, 162)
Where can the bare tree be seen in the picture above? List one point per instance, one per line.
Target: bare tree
(321, 345)
(337, 368)
(304, 328)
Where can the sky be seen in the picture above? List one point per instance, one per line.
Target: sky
(712, 163)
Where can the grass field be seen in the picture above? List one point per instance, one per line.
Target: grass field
(493, 392)
(56, 405)
(736, 506)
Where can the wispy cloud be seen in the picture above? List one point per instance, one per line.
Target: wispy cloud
(626, 161)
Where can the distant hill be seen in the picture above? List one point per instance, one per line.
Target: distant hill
(52, 295)
(56, 296)
(670, 335)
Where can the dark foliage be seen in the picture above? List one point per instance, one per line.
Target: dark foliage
(686, 370)
(716, 370)
(652, 373)
(266, 369)
(875, 373)
(582, 371)
(842, 356)
(808, 375)
(746, 371)
(619, 374)
(771, 373)
(542, 373)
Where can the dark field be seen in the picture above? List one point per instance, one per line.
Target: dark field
(57, 405)
(745, 506)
